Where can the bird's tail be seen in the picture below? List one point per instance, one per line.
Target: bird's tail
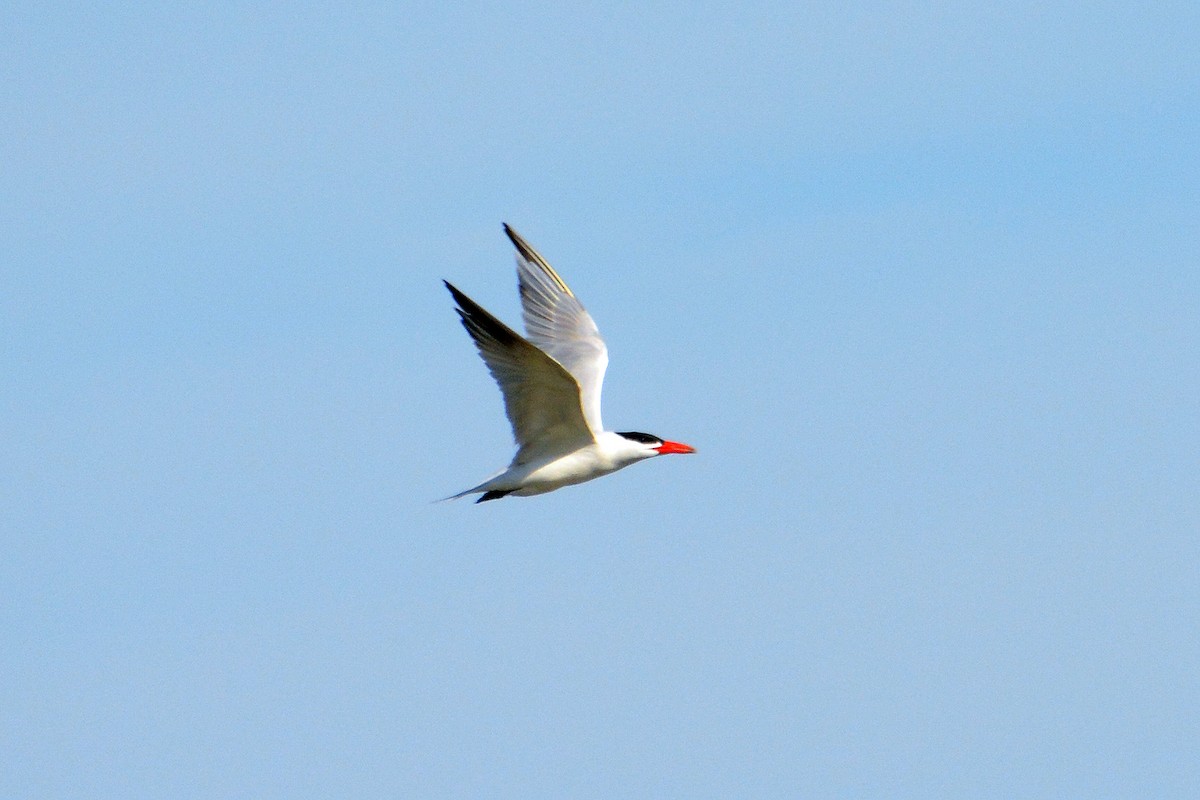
(485, 488)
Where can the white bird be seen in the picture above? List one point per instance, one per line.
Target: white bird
(551, 383)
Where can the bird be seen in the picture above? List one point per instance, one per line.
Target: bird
(551, 380)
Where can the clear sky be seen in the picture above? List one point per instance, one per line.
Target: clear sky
(919, 280)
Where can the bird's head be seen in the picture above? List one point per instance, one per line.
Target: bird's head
(649, 445)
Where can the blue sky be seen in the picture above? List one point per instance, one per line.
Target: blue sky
(919, 281)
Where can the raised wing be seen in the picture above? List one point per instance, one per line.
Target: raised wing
(558, 324)
(541, 398)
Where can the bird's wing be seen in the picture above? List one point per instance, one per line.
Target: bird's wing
(558, 324)
(540, 397)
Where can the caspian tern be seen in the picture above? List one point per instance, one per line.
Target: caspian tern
(551, 382)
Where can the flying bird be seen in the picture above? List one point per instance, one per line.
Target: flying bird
(551, 380)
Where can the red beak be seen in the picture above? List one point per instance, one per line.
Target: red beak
(666, 448)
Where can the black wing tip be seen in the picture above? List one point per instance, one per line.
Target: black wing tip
(494, 494)
(522, 246)
(458, 296)
(478, 322)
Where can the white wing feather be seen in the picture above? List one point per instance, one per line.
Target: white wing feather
(558, 324)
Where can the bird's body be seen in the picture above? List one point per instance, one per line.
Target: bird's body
(609, 453)
(551, 382)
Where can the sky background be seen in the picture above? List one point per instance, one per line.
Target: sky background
(919, 280)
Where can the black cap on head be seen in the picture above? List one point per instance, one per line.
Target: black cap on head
(644, 438)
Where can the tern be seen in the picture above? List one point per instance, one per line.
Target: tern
(551, 380)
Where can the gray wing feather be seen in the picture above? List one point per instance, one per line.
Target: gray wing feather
(557, 323)
(541, 398)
